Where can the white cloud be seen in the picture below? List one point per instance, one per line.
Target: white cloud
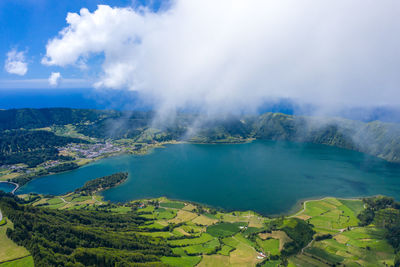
(15, 63)
(233, 54)
(54, 78)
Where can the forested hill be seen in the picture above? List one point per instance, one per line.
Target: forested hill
(82, 237)
(102, 183)
(32, 147)
(28, 118)
(374, 138)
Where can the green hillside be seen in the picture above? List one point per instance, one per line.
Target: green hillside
(81, 230)
(375, 138)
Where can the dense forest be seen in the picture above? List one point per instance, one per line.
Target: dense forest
(102, 183)
(32, 147)
(383, 212)
(28, 118)
(63, 167)
(80, 237)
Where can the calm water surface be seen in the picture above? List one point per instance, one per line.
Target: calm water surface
(266, 176)
(6, 187)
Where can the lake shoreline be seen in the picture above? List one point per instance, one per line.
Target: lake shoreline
(86, 162)
(11, 183)
(148, 150)
(297, 209)
(261, 181)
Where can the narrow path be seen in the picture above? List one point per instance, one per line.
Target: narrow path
(64, 200)
(1, 216)
(309, 244)
(301, 211)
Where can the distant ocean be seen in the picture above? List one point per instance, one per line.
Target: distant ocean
(72, 98)
(95, 99)
(126, 100)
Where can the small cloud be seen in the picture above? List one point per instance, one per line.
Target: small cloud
(54, 78)
(15, 63)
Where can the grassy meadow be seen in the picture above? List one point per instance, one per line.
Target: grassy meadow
(324, 233)
(10, 253)
(350, 244)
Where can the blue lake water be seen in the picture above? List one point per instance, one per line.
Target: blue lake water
(265, 176)
(6, 187)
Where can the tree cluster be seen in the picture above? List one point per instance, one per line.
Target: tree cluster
(81, 237)
(32, 147)
(384, 212)
(102, 183)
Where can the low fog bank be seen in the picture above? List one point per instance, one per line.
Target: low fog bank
(376, 138)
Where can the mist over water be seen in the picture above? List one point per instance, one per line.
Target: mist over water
(266, 176)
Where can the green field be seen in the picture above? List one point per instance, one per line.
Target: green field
(186, 261)
(209, 247)
(227, 239)
(225, 229)
(331, 215)
(270, 246)
(8, 249)
(172, 204)
(165, 214)
(55, 201)
(191, 241)
(24, 262)
(225, 250)
(350, 244)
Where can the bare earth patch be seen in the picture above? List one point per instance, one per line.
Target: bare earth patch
(183, 216)
(203, 220)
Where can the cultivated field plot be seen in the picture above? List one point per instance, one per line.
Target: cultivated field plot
(201, 236)
(330, 214)
(70, 201)
(348, 244)
(201, 239)
(279, 235)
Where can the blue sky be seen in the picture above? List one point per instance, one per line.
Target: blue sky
(214, 56)
(27, 25)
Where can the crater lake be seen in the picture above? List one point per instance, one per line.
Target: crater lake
(268, 177)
